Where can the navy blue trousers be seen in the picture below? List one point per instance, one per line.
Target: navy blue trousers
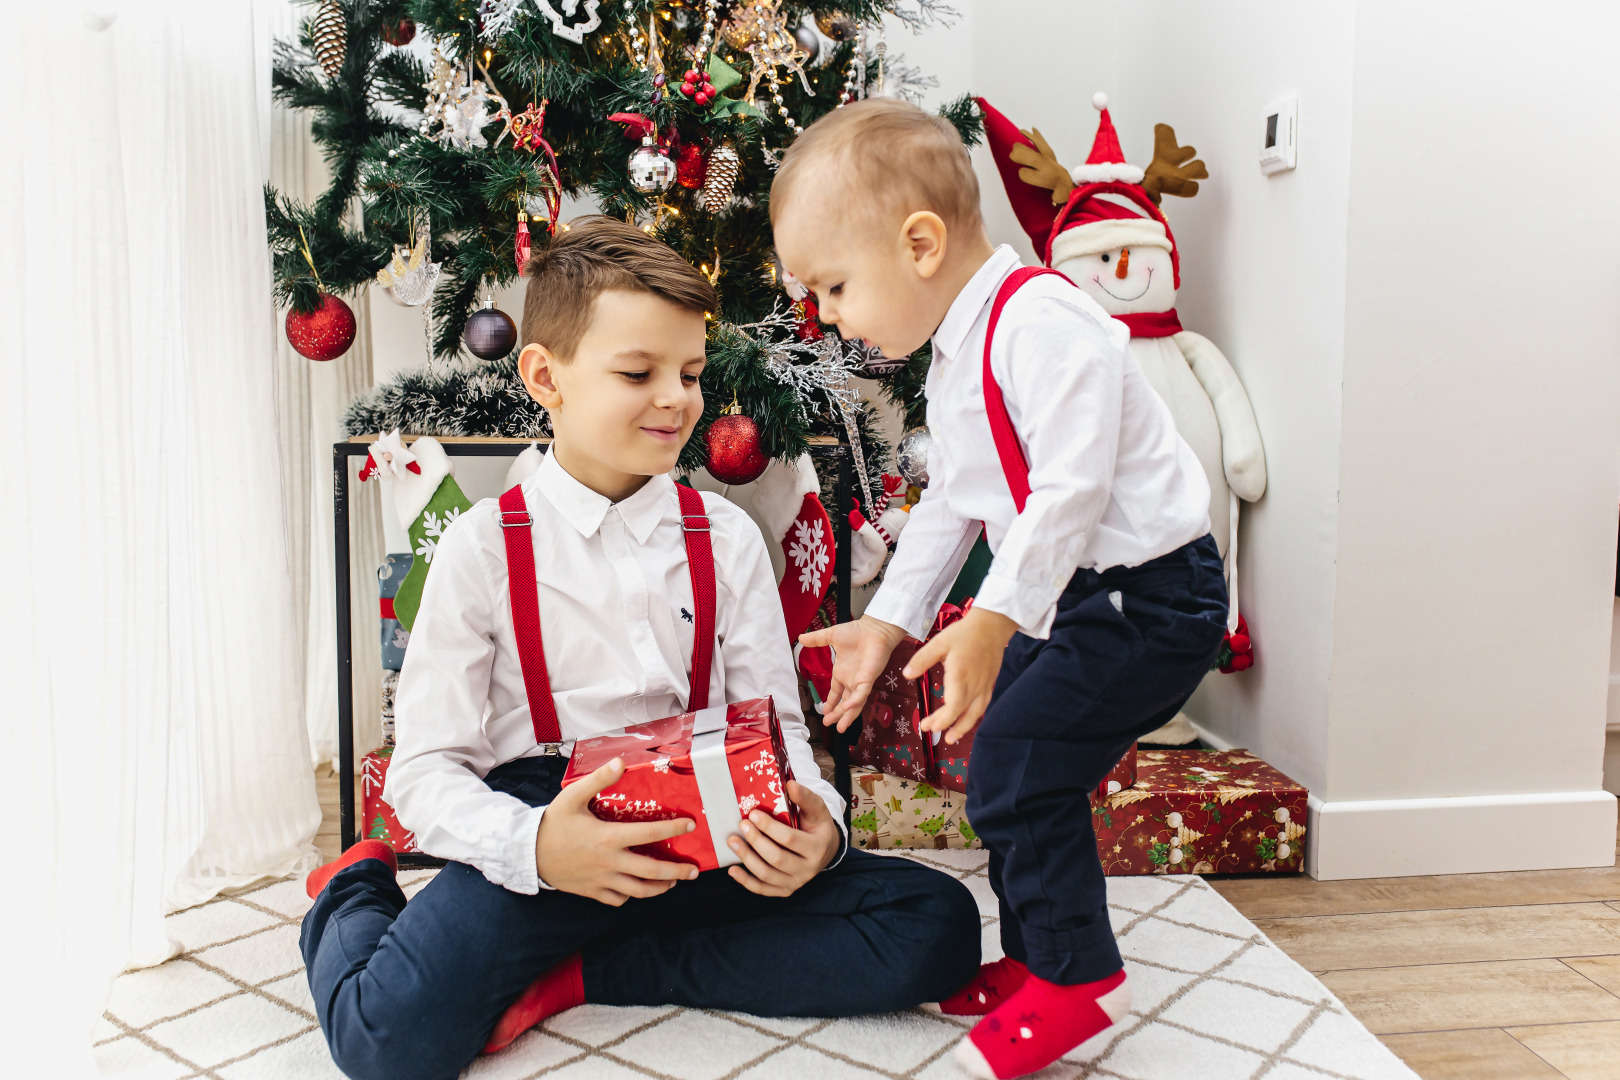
(1064, 711)
(412, 991)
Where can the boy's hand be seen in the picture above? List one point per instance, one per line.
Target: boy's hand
(578, 852)
(778, 859)
(860, 651)
(971, 650)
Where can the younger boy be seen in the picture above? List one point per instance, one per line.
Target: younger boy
(543, 906)
(1105, 602)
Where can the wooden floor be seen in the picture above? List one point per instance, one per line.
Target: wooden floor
(1476, 977)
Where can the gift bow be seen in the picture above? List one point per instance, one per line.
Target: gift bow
(389, 457)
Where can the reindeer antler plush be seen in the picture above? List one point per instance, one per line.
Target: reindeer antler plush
(1101, 225)
(1174, 169)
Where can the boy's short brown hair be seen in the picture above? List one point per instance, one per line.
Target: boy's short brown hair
(589, 256)
(902, 158)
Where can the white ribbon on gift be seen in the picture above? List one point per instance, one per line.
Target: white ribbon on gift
(713, 775)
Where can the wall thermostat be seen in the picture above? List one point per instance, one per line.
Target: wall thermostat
(1279, 148)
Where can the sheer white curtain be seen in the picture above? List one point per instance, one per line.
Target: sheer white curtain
(148, 631)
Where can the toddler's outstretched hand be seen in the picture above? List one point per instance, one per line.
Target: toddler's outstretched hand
(971, 650)
(860, 651)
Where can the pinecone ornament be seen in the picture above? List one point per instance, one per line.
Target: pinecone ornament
(721, 179)
(331, 34)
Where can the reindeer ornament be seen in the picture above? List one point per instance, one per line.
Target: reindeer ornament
(1100, 225)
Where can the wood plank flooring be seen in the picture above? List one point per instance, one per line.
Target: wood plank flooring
(1472, 977)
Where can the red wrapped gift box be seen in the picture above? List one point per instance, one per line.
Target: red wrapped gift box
(1202, 812)
(892, 740)
(713, 766)
(377, 820)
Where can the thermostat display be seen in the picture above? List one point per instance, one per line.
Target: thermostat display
(1279, 149)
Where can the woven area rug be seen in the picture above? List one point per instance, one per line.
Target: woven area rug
(1213, 999)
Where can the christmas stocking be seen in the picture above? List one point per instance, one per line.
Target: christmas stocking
(787, 500)
(426, 498)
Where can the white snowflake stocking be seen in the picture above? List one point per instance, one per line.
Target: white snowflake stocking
(809, 549)
(447, 504)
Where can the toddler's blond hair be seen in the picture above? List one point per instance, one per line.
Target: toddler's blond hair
(893, 156)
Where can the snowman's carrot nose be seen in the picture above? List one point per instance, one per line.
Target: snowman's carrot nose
(1124, 266)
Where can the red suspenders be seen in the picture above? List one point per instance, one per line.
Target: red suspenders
(515, 522)
(1001, 428)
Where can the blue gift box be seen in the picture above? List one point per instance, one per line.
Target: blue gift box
(393, 637)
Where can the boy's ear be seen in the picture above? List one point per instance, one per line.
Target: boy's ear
(924, 237)
(536, 366)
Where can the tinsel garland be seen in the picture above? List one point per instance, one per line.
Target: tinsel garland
(490, 400)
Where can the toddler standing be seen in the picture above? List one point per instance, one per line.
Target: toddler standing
(1105, 602)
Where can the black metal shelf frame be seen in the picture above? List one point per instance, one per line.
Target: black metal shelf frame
(344, 450)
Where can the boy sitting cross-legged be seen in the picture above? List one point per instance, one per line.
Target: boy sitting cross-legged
(542, 906)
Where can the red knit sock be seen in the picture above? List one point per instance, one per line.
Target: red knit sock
(994, 984)
(1039, 1024)
(365, 849)
(556, 991)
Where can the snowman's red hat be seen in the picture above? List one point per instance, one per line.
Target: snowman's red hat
(1106, 208)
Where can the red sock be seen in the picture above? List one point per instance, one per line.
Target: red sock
(1039, 1024)
(994, 984)
(365, 849)
(556, 991)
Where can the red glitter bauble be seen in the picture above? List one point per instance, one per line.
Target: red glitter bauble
(691, 166)
(399, 33)
(734, 453)
(325, 333)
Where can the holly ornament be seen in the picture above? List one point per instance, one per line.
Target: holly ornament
(696, 85)
(735, 456)
(325, 333)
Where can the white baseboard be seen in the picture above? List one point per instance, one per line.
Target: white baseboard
(1469, 835)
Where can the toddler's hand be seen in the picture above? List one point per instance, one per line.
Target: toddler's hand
(578, 852)
(971, 650)
(778, 859)
(860, 651)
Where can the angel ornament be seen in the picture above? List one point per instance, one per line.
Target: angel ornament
(1100, 225)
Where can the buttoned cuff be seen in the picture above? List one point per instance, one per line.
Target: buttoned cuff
(1029, 605)
(900, 608)
(523, 875)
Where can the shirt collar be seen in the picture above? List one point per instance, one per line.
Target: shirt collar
(981, 287)
(584, 509)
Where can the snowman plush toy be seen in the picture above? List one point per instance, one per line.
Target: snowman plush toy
(1100, 225)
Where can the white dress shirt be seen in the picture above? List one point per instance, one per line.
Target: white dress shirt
(615, 593)
(1111, 483)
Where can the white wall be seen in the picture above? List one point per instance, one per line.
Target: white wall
(1479, 435)
(1263, 274)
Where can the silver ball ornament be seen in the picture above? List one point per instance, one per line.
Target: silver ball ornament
(912, 456)
(651, 170)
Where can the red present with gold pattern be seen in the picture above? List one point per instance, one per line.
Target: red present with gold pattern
(377, 820)
(1202, 812)
(713, 766)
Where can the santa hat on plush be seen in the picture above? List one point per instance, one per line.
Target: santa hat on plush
(1099, 206)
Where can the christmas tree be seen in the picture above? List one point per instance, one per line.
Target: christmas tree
(450, 159)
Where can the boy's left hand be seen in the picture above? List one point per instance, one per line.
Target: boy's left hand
(971, 649)
(778, 859)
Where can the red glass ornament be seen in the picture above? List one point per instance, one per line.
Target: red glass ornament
(325, 333)
(809, 328)
(735, 456)
(691, 167)
(399, 33)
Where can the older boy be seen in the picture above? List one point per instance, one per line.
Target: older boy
(1105, 602)
(544, 906)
